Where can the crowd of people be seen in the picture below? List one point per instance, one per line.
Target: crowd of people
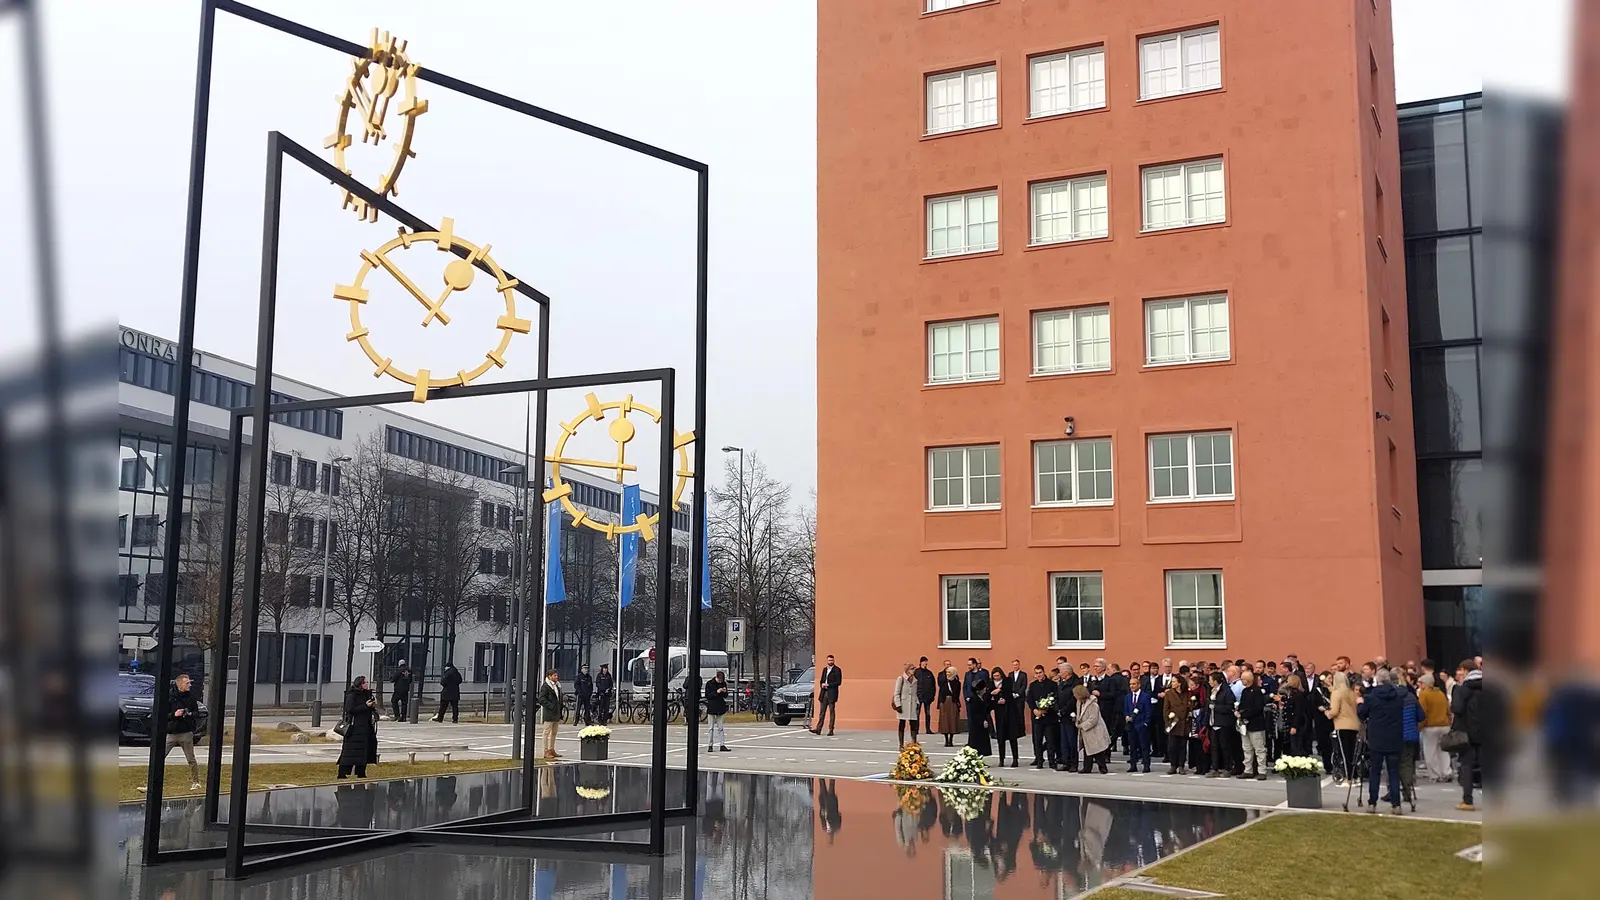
(1218, 719)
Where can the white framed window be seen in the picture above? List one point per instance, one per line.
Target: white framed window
(1184, 194)
(1072, 473)
(1072, 340)
(964, 601)
(968, 350)
(1072, 209)
(964, 223)
(1194, 609)
(1186, 330)
(1067, 82)
(1180, 62)
(964, 477)
(1191, 466)
(958, 100)
(1077, 609)
(936, 5)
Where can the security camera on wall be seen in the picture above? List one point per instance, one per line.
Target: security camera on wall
(1070, 426)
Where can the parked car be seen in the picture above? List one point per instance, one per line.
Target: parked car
(135, 698)
(793, 700)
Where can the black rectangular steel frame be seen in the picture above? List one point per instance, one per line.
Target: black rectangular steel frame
(507, 827)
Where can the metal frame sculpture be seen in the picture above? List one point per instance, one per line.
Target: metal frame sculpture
(509, 828)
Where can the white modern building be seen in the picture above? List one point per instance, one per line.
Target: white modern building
(305, 481)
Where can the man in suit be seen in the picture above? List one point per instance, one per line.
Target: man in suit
(1136, 712)
(974, 672)
(1019, 683)
(828, 695)
(1066, 721)
(1044, 721)
(1113, 688)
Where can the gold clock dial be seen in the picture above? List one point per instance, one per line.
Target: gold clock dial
(621, 431)
(459, 275)
(368, 93)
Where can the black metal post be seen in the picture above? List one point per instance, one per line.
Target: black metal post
(697, 495)
(266, 331)
(155, 781)
(533, 569)
(658, 730)
(230, 537)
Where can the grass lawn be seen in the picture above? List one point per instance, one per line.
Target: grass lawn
(131, 778)
(1329, 857)
(1551, 858)
(272, 736)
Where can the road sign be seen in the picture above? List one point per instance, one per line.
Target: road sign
(371, 647)
(735, 642)
(138, 642)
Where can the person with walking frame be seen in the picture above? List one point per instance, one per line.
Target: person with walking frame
(716, 708)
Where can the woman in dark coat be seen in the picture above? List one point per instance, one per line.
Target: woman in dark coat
(978, 714)
(360, 748)
(949, 705)
(1010, 710)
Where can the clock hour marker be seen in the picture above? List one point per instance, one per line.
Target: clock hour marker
(420, 393)
(349, 292)
(356, 335)
(555, 494)
(512, 323)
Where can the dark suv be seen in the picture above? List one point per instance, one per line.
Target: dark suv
(135, 699)
(793, 700)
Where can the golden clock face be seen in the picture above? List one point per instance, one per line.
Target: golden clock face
(621, 431)
(369, 91)
(459, 275)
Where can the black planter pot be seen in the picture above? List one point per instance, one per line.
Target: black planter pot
(594, 749)
(1304, 793)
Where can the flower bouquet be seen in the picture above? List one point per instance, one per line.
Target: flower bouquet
(1303, 780)
(968, 767)
(594, 742)
(912, 764)
(1045, 702)
(593, 793)
(968, 803)
(1298, 767)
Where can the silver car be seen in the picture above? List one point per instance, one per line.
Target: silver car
(793, 700)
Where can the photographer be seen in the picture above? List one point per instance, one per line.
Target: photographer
(1346, 723)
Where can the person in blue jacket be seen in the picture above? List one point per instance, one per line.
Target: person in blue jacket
(1137, 708)
(1382, 709)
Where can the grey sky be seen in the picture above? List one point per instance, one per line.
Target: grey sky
(609, 236)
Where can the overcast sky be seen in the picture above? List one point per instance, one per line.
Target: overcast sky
(610, 236)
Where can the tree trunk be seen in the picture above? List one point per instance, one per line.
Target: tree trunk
(350, 658)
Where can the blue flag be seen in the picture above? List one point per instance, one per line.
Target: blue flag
(555, 581)
(629, 550)
(544, 882)
(705, 561)
(619, 882)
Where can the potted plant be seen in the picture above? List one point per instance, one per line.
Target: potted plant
(594, 742)
(1302, 775)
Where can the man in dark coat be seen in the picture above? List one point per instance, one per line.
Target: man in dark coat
(1383, 711)
(583, 686)
(1470, 709)
(401, 697)
(927, 689)
(605, 689)
(1224, 736)
(1045, 723)
(450, 694)
(828, 682)
(1066, 718)
(1113, 688)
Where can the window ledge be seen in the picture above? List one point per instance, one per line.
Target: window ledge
(967, 383)
(961, 509)
(1090, 504)
(930, 13)
(965, 645)
(972, 254)
(1106, 371)
(1066, 114)
(1189, 363)
(1180, 95)
(1078, 645)
(1197, 645)
(1067, 242)
(935, 135)
(1198, 226)
(1180, 501)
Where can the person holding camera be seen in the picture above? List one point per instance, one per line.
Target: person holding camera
(1346, 724)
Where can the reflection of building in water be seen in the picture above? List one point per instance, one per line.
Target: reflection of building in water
(966, 878)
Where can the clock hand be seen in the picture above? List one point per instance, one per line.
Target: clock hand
(457, 277)
(407, 283)
(434, 307)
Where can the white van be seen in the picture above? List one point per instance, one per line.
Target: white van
(641, 668)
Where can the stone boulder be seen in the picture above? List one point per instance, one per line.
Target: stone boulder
(288, 727)
(300, 737)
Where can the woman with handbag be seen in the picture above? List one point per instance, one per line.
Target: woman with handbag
(904, 702)
(359, 728)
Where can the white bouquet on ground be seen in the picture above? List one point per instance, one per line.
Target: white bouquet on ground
(1298, 767)
(968, 767)
(595, 733)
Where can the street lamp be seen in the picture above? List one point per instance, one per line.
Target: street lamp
(322, 629)
(739, 672)
(513, 711)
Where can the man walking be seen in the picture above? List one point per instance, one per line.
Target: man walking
(450, 694)
(583, 686)
(926, 690)
(182, 712)
(550, 710)
(828, 696)
(401, 698)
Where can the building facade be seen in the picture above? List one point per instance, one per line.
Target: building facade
(1442, 202)
(443, 494)
(1112, 344)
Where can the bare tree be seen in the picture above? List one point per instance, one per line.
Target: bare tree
(289, 558)
(201, 589)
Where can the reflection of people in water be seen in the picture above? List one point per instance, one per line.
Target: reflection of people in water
(905, 831)
(355, 805)
(444, 796)
(1011, 825)
(828, 808)
(980, 832)
(714, 823)
(949, 819)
